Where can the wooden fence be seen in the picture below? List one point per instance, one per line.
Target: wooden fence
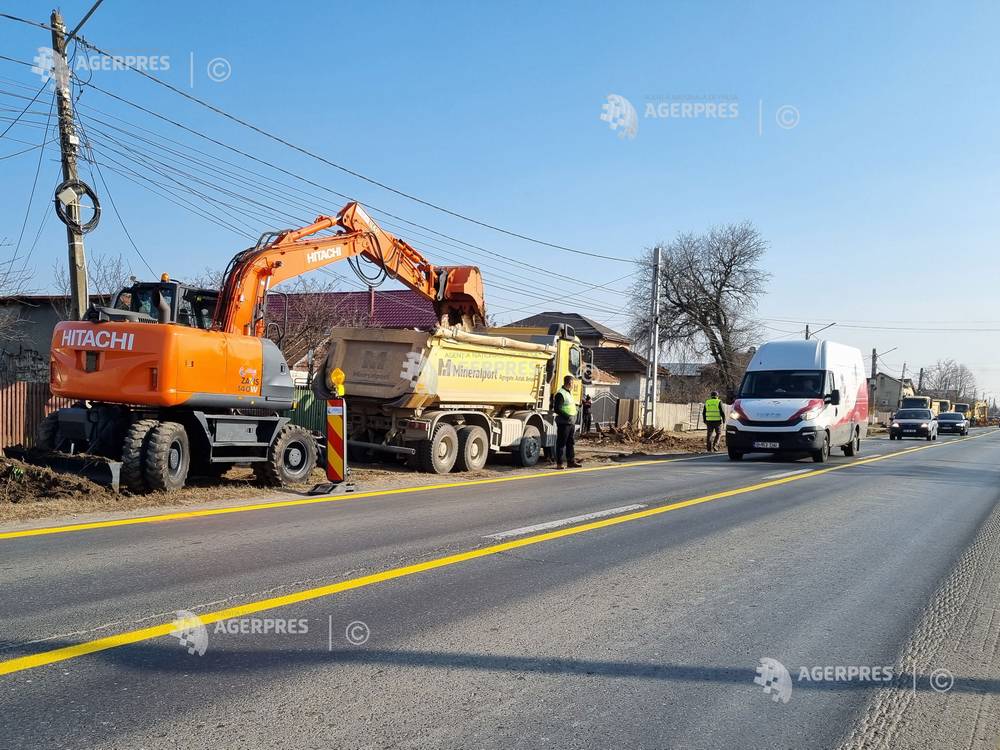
(22, 406)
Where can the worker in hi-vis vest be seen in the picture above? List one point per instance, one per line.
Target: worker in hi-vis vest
(565, 409)
(713, 416)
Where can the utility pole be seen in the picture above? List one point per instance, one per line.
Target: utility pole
(68, 144)
(807, 331)
(920, 381)
(653, 368)
(874, 386)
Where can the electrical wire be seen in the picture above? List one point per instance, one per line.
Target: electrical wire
(31, 196)
(107, 189)
(347, 170)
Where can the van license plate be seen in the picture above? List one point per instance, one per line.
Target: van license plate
(765, 445)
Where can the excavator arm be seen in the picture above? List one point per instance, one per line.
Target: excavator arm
(457, 292)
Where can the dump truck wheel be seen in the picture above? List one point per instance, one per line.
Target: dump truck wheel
(47, 432)
(530, 447)
(473, 448)
(134, 455)
(168, 457)
(290, 459)
(438, 455)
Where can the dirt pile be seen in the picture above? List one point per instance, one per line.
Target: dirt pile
(641, 441)
(24, 483)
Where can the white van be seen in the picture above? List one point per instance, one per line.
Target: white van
(800, 397)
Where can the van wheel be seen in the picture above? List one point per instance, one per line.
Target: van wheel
(734, 455)
(853, 447)
(291, 458)
(530, 447)
(473, 448)
(823, 453)
(438, 455)
(168, 457)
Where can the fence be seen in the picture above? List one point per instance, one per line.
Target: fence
(309, 411)
(668, 416)
(22, 406)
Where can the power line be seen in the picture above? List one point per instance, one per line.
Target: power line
(34, 186)
(352, 172)
(376, 209)
(149, 162)
(107, 190)
(23, 111)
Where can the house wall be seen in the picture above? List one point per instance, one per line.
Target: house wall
(24, 348)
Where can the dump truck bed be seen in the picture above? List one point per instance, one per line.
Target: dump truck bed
(447, 366)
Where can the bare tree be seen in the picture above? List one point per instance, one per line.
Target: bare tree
(311, 313)
(106, 276)
(13, 281)
(709, 287)
(209, 278)
(951, 380)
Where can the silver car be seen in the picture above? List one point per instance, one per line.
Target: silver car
(913, 423)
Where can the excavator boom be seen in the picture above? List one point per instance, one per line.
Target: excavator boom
(457, 292)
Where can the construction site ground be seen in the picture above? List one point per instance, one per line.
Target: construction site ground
(29, 492)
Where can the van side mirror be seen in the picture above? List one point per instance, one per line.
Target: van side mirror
(730, 397)
(834, 397)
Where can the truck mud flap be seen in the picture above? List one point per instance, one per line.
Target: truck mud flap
(99, 470)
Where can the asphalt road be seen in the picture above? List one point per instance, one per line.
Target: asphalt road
(442, 618)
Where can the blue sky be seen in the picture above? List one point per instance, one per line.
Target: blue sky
(880, 204)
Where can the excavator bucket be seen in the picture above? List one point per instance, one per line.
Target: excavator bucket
(97, 469)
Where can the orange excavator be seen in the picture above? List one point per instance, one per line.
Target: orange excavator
(174, 379)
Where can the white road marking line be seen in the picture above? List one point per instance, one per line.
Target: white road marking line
(784, 474)
(565, 521)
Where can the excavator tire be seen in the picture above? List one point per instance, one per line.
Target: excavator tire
(134, 455)
(473, 448)
(438, 455)
(290, 459)
(47, 432)
(168, 457)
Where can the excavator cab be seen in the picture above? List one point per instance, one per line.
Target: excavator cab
(165, 301)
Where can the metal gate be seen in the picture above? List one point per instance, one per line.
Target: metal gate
(604, 410)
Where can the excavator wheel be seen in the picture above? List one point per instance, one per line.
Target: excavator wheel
(134, 455)
(290, 459)
(473, 448)
(438, 455)
(47, 432)
(168, 457)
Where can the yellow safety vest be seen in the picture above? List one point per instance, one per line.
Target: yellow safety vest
(568, 404)
(713, 410)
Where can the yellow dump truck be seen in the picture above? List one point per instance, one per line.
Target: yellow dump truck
(448, 398)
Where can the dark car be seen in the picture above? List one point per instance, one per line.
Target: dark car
(953, 421)
(913, 423)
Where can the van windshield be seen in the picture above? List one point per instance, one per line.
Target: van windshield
(783, 384)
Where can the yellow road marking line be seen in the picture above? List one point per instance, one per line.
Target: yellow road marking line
(64, 653)
(180, 515)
